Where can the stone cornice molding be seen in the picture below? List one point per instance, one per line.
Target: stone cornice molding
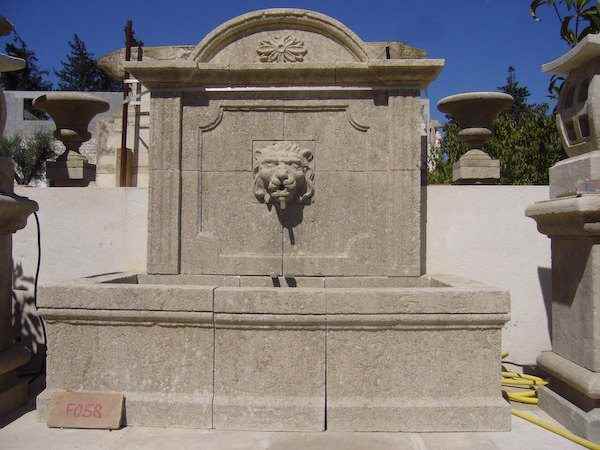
(568, 216)
(278, 18)
(416, 73)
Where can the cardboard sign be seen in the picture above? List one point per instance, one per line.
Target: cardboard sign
(102, 410)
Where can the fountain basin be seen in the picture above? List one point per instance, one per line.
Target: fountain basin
(412, 354)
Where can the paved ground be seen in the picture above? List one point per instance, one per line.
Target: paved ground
(27, 433)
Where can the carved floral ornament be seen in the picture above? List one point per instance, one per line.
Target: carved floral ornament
(283, 175)
(281, 49)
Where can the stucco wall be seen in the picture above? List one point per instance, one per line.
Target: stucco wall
(479, 232)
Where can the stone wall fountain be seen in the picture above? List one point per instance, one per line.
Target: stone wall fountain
(72, 113)
(285, 285)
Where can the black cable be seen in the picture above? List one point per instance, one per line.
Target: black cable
(37, 274)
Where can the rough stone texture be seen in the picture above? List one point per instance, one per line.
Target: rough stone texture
(577, 119)
(575, 301)
(584, 423)
(476, 167)
(577, 175)
(126, 297)
(269, 372)
(377, 379)
(270, 363)
(161, 361)
(251, 243)
(573, 395)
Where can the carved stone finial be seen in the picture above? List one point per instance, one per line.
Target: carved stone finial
(283, 175)
(277, 49)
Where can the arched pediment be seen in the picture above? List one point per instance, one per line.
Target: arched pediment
(280, 36)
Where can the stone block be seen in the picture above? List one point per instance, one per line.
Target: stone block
(379, 282)
(584, 423)
(126, 297)
(407, 373)
(289, 281)
(165, 126)
(269, 372)
(438, 300)
(189, 279)
(573, 395)
(243, 238)
(164, 221)
(476, 167)
(325, 243)
(161, 361)
(575, 300)
(576, 175)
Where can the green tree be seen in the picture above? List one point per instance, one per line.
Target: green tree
(525, 140)
(80, 72)
(31, 78)
(577, 19)
(29, 154)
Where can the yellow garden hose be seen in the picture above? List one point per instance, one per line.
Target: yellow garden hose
(558, 430)
(528, 395)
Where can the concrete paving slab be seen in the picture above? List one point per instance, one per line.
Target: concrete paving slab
(28, 433)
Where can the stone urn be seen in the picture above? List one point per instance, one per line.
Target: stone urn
(475, 113)
(72, 113)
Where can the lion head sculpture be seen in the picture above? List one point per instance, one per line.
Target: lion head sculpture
(282, 175)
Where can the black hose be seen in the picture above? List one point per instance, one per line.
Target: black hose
(37, 274)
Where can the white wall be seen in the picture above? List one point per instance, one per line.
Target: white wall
(85, 231)
(479, 232)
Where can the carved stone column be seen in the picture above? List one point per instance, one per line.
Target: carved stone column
(571, 218)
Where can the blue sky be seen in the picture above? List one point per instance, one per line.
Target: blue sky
(478, 38)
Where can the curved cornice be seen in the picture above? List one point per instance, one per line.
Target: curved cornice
(301, 19)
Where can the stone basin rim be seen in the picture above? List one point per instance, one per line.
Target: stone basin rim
(499, 97)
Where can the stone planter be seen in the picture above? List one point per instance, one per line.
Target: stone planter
(72, 113)
(475, 113)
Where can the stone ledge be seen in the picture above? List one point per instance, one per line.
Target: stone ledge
(567, 216)
(130, 317)
(268, 413)
(583, 380)
(581, 422)
(434, 415)
(122, 296)
(184, 74)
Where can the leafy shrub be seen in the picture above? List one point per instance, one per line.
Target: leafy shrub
(29, 154)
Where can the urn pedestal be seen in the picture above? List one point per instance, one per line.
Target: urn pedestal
(72, 113)
(475, 112)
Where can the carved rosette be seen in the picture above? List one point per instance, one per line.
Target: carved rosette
(283, 175)
(278, 49)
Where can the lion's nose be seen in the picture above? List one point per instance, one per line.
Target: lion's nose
(281, 175)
